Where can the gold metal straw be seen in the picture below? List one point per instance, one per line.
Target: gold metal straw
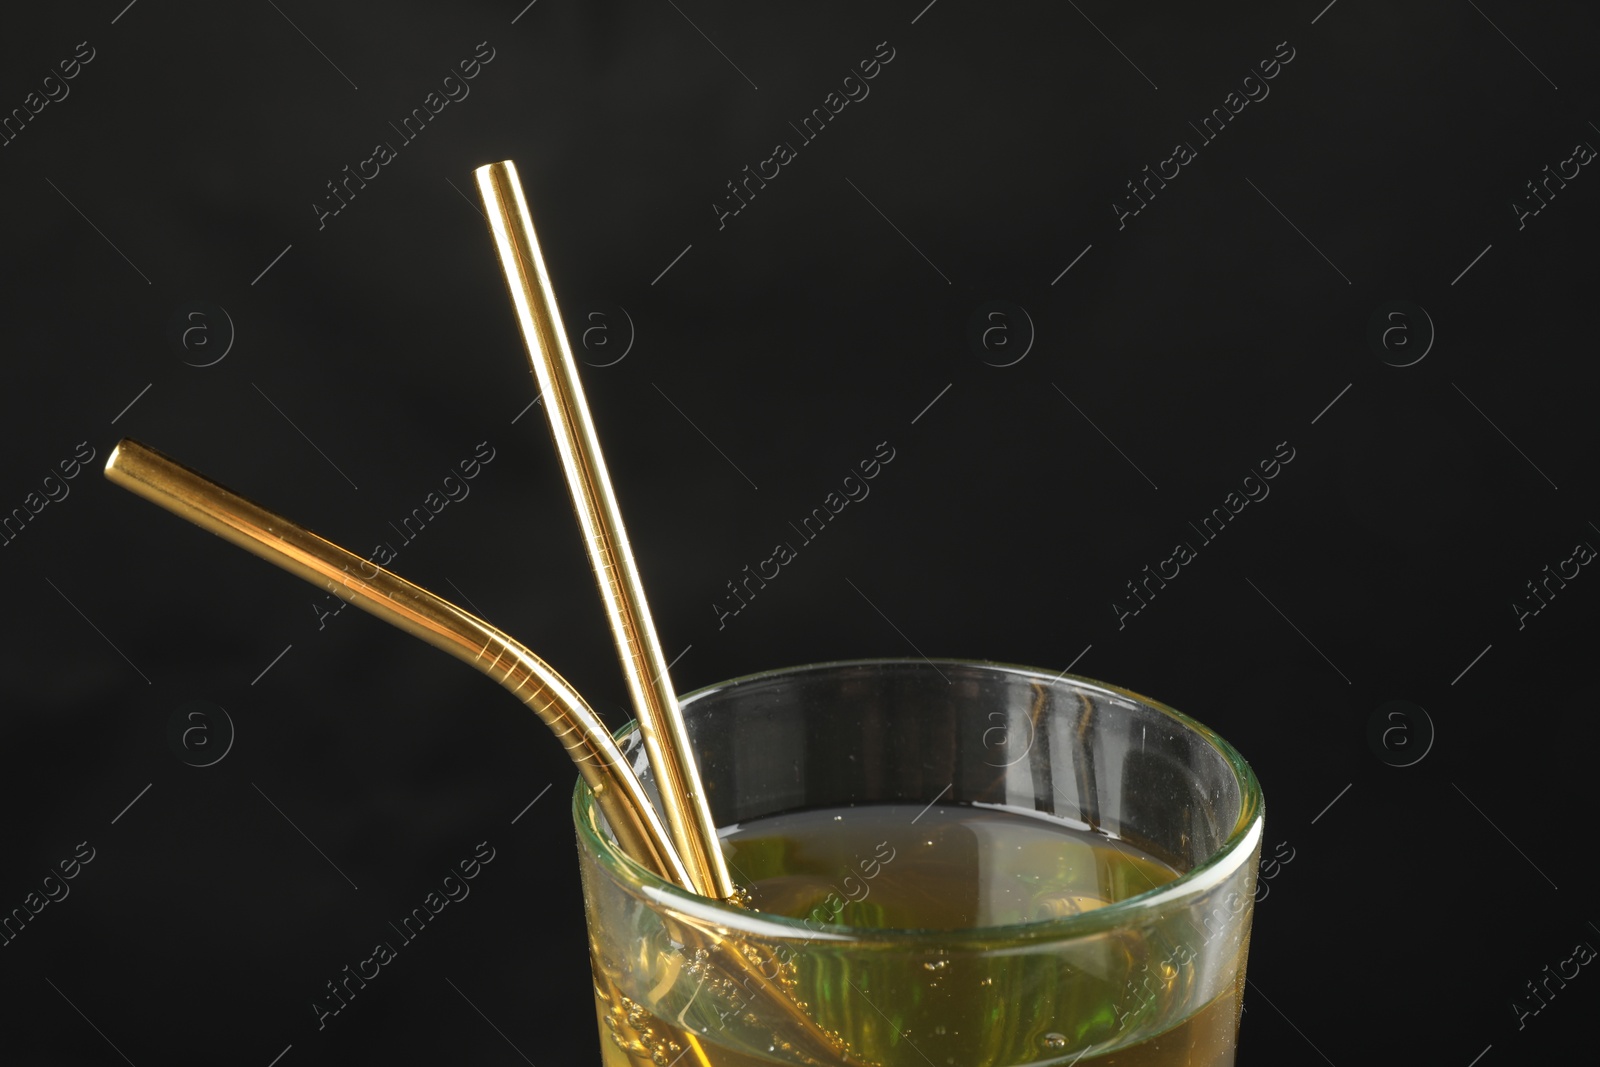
(192, 496)
(627, 810)
(666, 741)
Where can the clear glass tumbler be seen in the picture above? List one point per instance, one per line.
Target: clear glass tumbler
(1040, 790)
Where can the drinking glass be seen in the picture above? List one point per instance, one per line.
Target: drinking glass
(1147, 973)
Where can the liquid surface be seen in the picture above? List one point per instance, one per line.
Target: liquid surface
(941, 868)
(944, 868)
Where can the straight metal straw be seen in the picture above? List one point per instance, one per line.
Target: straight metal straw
(192, 496)
(688, 816)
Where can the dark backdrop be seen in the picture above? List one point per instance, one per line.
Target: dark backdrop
(1070, 379)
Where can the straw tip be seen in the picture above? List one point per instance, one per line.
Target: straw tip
(115, 457)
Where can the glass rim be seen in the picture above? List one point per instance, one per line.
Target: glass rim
(1203, 876)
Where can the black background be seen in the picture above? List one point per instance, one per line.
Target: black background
(770, 356)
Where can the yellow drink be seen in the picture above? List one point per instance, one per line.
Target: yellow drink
(946, 868)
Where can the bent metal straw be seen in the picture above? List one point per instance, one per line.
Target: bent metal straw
(655, 704)
(442, 624)
(638, 830)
